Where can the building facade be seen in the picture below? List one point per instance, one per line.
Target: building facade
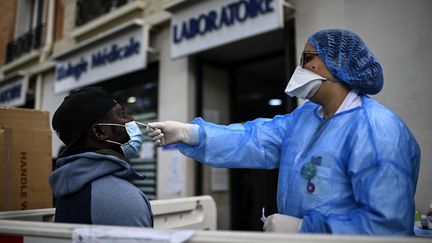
(227, 61)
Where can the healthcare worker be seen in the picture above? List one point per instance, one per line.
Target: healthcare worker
(347, 164)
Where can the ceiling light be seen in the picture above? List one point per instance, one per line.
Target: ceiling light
(275, 102)
(131, 100)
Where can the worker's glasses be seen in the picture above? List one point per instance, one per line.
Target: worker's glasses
(306, 57)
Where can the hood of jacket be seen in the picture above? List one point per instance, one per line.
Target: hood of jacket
(77, 170)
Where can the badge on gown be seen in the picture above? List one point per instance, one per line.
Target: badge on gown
(309, 171)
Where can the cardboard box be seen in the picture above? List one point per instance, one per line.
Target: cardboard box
(26, 161)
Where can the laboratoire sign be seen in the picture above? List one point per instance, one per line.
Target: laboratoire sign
(201, 25)
(118, 52)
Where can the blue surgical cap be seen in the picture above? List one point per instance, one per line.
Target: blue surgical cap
(349, 59)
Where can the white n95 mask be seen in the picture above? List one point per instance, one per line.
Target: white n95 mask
(303, 83)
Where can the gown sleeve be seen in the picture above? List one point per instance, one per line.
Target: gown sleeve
(253, 144)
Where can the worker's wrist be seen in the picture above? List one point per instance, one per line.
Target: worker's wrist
(193, 134)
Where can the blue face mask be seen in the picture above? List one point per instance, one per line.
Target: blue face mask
(132, 147)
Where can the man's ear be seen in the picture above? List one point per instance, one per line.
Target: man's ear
(98, 133)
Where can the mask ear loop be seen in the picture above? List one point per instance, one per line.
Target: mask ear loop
(110, 124)
(119, 125)
(114, 142)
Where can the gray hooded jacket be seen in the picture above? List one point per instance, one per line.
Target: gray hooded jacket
(95, 188)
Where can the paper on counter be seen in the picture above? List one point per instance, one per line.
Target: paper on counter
(101, 234)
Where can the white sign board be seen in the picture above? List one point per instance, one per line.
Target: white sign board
(121, 51)
(13, 91)
(207, 24)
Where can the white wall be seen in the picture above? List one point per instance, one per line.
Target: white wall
(175, 102)
(50, 103)
(216, 104)
(400, 34)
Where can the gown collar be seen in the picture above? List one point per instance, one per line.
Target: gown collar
(351, 101)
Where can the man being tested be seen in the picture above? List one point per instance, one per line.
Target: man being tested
(93, 182)
(347, 164)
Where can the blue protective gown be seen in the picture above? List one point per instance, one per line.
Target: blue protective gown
(355, 173)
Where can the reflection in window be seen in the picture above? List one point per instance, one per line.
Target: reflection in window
(139, 99)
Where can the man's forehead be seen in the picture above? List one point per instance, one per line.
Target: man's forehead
(114, 110)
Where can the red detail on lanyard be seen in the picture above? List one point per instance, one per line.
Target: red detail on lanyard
(11, 239)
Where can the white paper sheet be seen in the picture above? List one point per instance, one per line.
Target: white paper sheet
(100, 234)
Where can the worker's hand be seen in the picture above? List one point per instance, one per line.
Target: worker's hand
(169, 132)
(280, 223)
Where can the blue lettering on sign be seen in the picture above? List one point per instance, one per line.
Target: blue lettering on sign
(228, 15)
(109, 55)
(100, 58)
(70, 69)
(14, 92)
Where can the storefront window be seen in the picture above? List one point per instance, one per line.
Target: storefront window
(30, 94)
(140, 99)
